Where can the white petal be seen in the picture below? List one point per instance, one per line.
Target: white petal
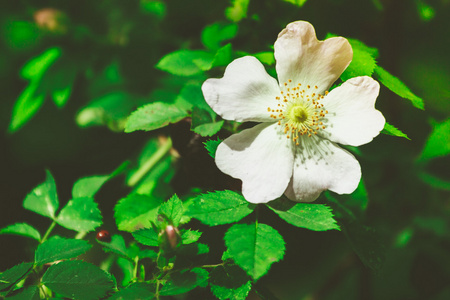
(244, 93)
(352, 118)
(321, 165)
(261, 157)
(303, 59)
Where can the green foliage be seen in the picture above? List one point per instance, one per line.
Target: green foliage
(398, 87)
(80, 214)
(186, 62)
(88, 186)
(317, 217)
(392, 130)
(139, 291)
(184, 281)
(78, 279)
(203, 123)
(153, 116)
(22, 229)
(213, 35)
(220, 207)
(237, 11)
(13, 275)
(43, 199)
(230, 282)
(59, 248)
(190, 236)
(116, 246)
(254, 247)
(135, 211)
(211, 146)
(148, 237)
(172, 209)
(438, 143)
(29, 293)
(299, 3)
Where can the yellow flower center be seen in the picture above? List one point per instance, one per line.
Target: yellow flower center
(299, 111)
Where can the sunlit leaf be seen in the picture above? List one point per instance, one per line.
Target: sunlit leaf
(316, 217)
(254, 247)
(59, 248)
(80, 214)
(88, 186)
(221, 207)
(211, 146)
(398, 87)
(22, 229)
(203, 123)
(267, 57)
(237, 11)
(186, 62)
(78, 279)
(173, 209)
(392, 130)
(213, 35)
(153, 116)
(190, 236)
(43, 199)
(136, 211)
(35, 68)
(438, 143)
(147, 237)
(299, 3)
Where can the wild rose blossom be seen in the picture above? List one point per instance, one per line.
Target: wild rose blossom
(294, 151)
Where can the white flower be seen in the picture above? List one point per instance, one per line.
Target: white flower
(293, 151)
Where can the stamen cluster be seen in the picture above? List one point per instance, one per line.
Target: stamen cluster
(299, 111)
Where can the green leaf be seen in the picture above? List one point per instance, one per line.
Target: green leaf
(185, 62)
(211, 146)
(230, 282)
(26, 106)
(35, 68)
(213, 35)
(317, 217)
(80, 214)
(153, 116)
(88, 186)
(116, 246)
(13, 275)
(266, 57)
(392, 130)
(23, 229)
(434, 181)
(173, 209)
(59, 248)
(223, 56)
(28, 293)
(203, 123)
(299, 3)
(136, 211)
(237, 11)
(438, 143)
(254, 247)
(221, 207)
(43, 199)
(78, 279)
(398, 87)
(147, 237)
(136, 291)
(184, 281)
(190, 236)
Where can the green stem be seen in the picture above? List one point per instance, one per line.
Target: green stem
(150, 163)
(136, 264)
(47, 233)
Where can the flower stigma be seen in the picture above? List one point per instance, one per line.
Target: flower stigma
(299, 111)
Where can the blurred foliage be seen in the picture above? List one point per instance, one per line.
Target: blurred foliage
(113, 66)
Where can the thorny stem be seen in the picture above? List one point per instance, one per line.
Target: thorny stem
(151, 162)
